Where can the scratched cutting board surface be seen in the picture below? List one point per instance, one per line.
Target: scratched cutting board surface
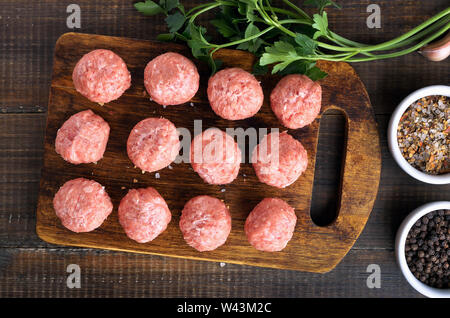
(312, 248)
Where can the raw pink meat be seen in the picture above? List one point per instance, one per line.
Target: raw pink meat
(101, 76)
(143, 214)
(205, 223)
(235, 94)
(296, 101)
(270, 226)
(82, 205)
(82, 138)
(171, 79)
(215, 156)
(279, 159)
(153, 144)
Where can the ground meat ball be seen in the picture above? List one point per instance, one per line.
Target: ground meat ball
(205, 223)
(215, 156)
(82, 205)
(171, 79)
(82, 138)
(235, 94)
(143, 214)
(279, 159)
(296, 101)
(270, 226)
(153, 144)
(101, 76)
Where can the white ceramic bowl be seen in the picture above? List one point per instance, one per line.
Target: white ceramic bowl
(400, 241)
(392, 134)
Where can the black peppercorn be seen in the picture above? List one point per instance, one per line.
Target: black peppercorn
(427, 249)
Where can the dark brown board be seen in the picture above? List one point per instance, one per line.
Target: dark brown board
(312, 248)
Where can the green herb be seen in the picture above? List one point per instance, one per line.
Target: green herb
(148, 8)
(175, 21)
(285, 38)
(321, 4)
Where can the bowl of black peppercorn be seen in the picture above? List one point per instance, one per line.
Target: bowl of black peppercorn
(423, 249)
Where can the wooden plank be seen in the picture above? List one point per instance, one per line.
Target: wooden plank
(42, 273)
(312, 248)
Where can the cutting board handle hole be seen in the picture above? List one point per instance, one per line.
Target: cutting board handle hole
(327, 180)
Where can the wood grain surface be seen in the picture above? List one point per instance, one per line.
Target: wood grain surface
(313, 248)
(30, 267)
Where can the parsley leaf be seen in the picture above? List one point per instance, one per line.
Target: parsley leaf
(224, 28)
(196, 41)
(288, 59)
(307, 46)
(320, 24)
(282, 53)
(307, 68)
(247, 8)
(298, 67)
(316, 73)
(224, 23)
(169, 4)
(321, 4)
(175, 21)
(148, 7)
(253, 45)
(259, 70)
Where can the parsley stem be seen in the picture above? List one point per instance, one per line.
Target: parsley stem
(394, 43)
(197, 8)
(287, 13)
(203, 10)
(270, 21)
(294, 21)
(257, 35)
(348, 57)
(417, 29)
(237, 42)
(421, 34)
(406, 51)
(337, 37)
(297, 9)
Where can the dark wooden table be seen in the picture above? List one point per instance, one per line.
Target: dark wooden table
(30, 267)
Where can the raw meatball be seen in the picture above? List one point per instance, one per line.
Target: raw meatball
(279, 159)
(205, 223)
(235, 94)
(269, 227)
(82, 138)
(215, 156)
(82, 205)
(143, 214)
(101, 76)
(153, 144)
(296, 101)
(171, 79)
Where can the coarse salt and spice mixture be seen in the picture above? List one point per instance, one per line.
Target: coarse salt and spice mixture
(423, 134)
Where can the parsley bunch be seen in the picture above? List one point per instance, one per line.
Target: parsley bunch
(285, 37)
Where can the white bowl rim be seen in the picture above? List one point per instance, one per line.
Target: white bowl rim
(400, 242)
(392, 134)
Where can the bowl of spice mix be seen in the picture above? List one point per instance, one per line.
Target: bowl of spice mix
(419, 134)
(422, 249)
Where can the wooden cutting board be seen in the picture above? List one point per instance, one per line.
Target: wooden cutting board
(313, 248)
